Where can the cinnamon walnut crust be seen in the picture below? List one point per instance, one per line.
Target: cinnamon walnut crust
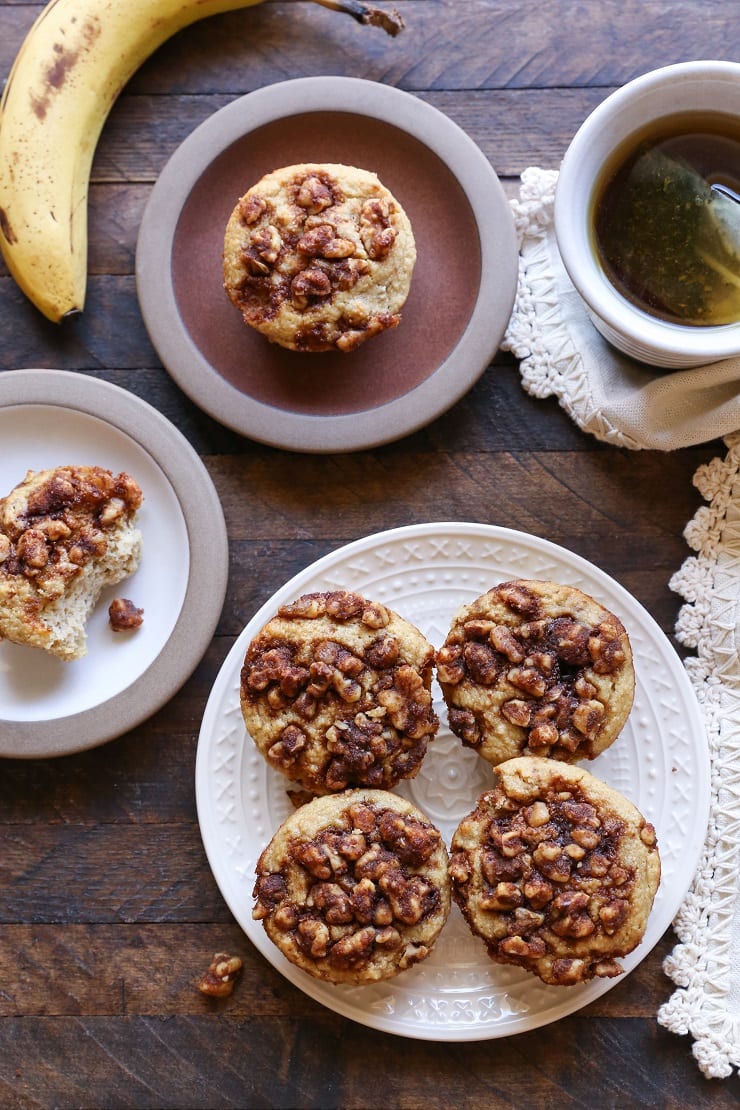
(335, 692)
(555, 871)
(319, 257)
(354, 888)
(536, 668)
(64, 535)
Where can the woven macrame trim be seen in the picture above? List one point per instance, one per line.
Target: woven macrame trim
(705, 964)
(550, 365)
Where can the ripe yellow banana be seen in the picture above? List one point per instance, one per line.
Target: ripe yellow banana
(72, 65)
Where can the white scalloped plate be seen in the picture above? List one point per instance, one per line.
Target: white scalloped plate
(660, 761)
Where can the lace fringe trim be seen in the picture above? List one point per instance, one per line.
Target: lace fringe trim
(705, 965)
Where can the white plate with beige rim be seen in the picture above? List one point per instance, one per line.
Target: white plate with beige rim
(462, 290)
(660, 762)
(48, 707)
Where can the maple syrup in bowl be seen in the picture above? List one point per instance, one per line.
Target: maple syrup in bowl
(647, 215)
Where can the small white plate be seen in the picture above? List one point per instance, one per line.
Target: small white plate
(462, 290)
(48, 707)
(660, 761)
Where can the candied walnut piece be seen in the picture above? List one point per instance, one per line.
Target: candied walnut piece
(218, 981)
(251, 207)
(504, 640)
(450, 664)
(464, 725)
(267, 242)
(481, 663)
(323, 242)
(124, 615)
(288, 748)
(309, 283)
(32, 548)
(315, 194)
(606, 651)
(519, 597)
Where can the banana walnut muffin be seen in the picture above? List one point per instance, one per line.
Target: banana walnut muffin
(555, 871)
(319, 257)
(65, 534)
(335, 692)
(536, 668)
(354, 888)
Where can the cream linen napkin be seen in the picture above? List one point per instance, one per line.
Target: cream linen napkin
(617, 400)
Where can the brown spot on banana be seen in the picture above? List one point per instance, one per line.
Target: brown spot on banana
(59, 68)
(7, 231)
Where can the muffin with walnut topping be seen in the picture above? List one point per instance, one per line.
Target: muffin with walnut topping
(536, 668)
(65, 534)
(319, 257)
(354, 888)
(336, 693)
(555, 871)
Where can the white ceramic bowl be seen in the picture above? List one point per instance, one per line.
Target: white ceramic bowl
(687, 86)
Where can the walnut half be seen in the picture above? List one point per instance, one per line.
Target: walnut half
(218, 981)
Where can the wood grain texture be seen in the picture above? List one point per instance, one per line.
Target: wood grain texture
(109, 912)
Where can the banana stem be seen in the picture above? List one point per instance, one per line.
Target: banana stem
(391, 21)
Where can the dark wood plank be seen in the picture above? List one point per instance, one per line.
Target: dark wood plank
(197, 1061)
(515, 128)
(107, 873)
(445, 45)
(153, 970)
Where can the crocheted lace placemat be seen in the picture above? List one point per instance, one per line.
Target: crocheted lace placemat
(621, 402)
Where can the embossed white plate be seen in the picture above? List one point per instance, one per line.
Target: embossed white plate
(660, 761)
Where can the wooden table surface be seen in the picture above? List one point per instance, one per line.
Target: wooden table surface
(108, 909)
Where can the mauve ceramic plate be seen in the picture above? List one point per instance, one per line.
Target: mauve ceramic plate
(48, 707)
(461, 295)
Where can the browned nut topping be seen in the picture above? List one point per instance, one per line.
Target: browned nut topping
(504, 640)
(252, 207)
(336, 692)
(32, 548)
(450, 664)
(379, 244)
(254, 265)
(323, 242)
(218, 981)
(464, 725)
(530, 875)
(267, 242)
(124, 615)
(349, 893)
(309, 283)
(314, 194)
(564, 685)
(481, 663)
